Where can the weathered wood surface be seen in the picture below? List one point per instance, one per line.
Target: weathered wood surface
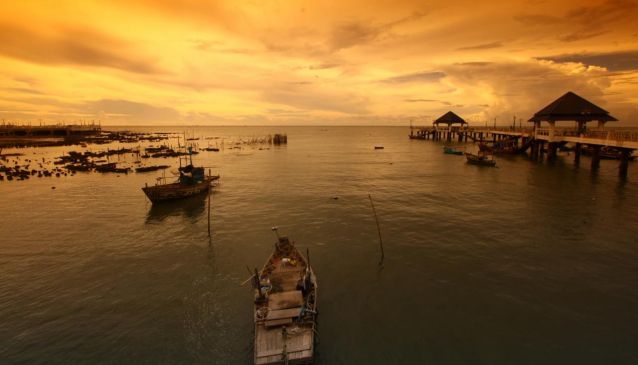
(283, 313)
(285, 300)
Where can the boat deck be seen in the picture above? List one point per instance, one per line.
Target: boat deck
(281, 336)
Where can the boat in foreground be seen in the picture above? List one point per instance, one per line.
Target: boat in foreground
(481, 159)
(285, 307)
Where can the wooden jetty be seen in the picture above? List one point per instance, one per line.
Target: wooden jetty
(285, 307)
(541, 140)
(44, 131)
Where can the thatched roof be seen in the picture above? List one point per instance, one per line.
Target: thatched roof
(449, 118)
(573, 108)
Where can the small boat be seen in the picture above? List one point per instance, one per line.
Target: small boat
(378, 147)
(481, 159)
(192, 181)
(285, 307)
(151, 168)
(453, 151)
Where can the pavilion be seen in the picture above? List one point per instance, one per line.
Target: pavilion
(571, 107)
(449, 118)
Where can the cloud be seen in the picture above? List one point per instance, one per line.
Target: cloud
(425, 76)
(130, 111)
(23, 90)
(422, 100)
(482, 46)
(352, 33)
(324, 65)
(312, 98)
(580, 35)
(537, 19)
(522, 88)
(612, 61)
(74, 46)
(447, 103)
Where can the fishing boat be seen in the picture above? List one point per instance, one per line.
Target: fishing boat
(192, 181)
(453, 151)
(482, 159)
(285, 307)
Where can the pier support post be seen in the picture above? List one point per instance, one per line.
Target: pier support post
(624, 163)
(595, 158)
(577, 150)
(551, 151)
(449, 136)
(541, 150)
(460, 136)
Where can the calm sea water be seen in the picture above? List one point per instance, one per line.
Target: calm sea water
(528, 263)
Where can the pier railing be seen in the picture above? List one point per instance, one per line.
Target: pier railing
(606, 134)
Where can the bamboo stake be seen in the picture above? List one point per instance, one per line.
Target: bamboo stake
(209, 194)
(378, 229)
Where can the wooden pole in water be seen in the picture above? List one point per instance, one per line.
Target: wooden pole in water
(209, 193)
(378, 228)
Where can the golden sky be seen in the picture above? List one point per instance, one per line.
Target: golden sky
(312, 62)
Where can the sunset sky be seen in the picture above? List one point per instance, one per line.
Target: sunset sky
(312, 62)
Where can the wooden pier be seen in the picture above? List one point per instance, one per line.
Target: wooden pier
(544, 142)
(48, 131)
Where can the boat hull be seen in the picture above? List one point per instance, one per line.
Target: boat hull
(168, 192)
(285, 317)
(479, 160)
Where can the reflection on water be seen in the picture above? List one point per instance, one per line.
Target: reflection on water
(529, 263)
(190, 208)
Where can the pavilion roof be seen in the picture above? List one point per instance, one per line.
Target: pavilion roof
(571, 107)
(449, 118)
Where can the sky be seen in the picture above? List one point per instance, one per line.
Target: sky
(161, 62)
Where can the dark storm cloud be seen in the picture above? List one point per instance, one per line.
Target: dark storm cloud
(613, 61)
(69, 46)
(432, 76)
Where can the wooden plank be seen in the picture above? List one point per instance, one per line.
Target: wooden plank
(285, 300)
(278, 322)
(283, 313)
(271, 352)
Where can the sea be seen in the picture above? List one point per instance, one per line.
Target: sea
(525, 263)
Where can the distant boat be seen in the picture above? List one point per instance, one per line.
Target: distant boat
(453, 151)
(151, 168)
(481, 159)
(378, 147)
(285, 307)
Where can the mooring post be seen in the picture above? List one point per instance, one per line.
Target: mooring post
(624, 163)
(595, 158)
(577, 150)
(376, 219)
(551, 151)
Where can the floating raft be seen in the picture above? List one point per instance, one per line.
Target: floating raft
(285, 308)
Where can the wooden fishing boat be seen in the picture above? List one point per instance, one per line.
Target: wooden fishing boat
(453, 151)
(285, 307)
(192, 181)
(481, 159)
